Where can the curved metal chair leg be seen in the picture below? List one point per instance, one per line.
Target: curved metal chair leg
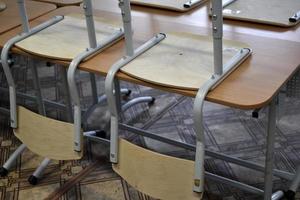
(33, 179)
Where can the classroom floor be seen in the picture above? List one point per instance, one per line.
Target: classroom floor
(228, 130)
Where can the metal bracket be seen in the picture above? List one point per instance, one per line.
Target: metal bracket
(23, 15)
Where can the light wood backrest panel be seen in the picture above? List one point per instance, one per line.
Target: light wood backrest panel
(160, 176)
(46, 137)
(176, 5)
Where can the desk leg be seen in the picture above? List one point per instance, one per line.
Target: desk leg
(270, 150)
(37, 87)
(65, 88)
(94, 88)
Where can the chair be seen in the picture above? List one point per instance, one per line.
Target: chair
(175, 60)
(64, 139)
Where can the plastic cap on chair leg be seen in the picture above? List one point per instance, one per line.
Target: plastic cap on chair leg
(290, 195)
(3, 171)
(33, 180)
(101, 134)
(152, 101)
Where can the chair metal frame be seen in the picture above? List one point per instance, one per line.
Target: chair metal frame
(94, 47)
(111, 89)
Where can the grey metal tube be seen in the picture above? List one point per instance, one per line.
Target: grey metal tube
(39, 171)
(110, 88)
(7, 165)
(23, 15)
(126, 16)
(295, 183)
(233, 183)
(4, 111)
(270, 150)
(217, 28)
(73, 87)
(247, 164)
(277, 195)
(6, 67)
(65, 88)
(88, 11)
(145, 99)
(94, 88)
(37, 87)
(33, 98)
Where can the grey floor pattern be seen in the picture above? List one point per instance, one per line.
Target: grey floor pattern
(230, 131)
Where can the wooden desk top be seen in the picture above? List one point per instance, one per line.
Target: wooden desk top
(199, 17)
(9, 18)
(61, 3)
(251, 86)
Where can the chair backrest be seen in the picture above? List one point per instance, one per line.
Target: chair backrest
(155, 174)
(52, 138)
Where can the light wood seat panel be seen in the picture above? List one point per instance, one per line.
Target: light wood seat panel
(274, 12)
(2, 6)
(181, 60)
(46, 137)
(67, 38)
(160, 176)
(176, 5)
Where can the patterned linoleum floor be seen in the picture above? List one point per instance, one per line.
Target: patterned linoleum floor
(228, 130)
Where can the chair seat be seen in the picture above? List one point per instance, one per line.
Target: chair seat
(2, 6)
(67, 38)
(181, 60)
(176, 5)
(46, 137)
(157, 175)
(274, 12)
